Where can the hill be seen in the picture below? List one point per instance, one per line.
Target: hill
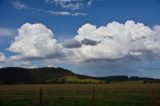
(17, 75)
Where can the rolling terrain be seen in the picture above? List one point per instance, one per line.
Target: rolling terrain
(48, 75)
(61, 87)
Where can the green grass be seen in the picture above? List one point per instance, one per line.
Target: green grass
(115, 94)
(75, 79)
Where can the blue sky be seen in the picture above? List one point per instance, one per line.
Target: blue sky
(67, 19)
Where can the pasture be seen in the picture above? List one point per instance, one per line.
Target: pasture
(115, 94)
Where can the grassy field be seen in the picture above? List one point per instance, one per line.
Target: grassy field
(115, 94)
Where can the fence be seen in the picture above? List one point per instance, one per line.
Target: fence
(80, 95)
(152, 93)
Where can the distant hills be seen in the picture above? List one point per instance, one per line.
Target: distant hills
(17, 75)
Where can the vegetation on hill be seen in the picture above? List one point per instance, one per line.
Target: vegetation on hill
(16, 75)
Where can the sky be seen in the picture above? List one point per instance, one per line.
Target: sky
(91, 37)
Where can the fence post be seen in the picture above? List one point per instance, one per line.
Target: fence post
(93, 97)
(40, 97)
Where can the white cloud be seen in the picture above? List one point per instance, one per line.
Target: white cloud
(154, 41)
(116, 41)
(111, 42)
(19, 5)
(69, 4)
(2, 57)
(135, 53)
(64, 13)
(24, 64)
(35, 41)
(7, 32)
(75, 6)
(72, 4)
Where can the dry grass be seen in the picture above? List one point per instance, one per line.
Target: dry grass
(117, 94)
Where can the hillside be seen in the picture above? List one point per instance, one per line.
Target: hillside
(16, 75)
(12, 75)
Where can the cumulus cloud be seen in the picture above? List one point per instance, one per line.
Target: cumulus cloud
(2, 57)
(35, 41)
(116, 41)
(24, 64)
(119, 48)
(154, 41)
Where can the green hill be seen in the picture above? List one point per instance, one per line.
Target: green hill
(14, 75)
